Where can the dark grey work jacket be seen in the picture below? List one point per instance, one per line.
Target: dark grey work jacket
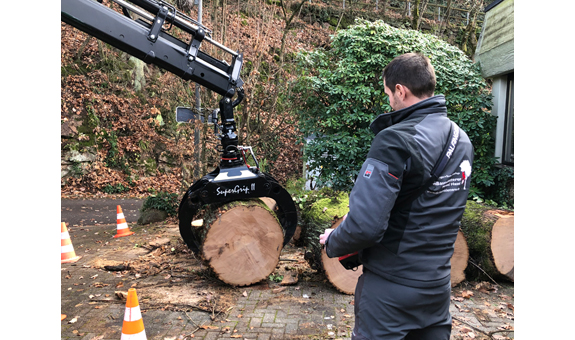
(410, 245)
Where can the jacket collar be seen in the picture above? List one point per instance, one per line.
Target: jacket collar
(435, 104)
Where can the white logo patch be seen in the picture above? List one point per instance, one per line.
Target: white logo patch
(368, 171)
(465, 167)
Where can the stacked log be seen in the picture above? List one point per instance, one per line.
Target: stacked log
(240, 241)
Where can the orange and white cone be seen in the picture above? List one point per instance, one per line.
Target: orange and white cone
(123, 229)
(68, 253)
(133, 327)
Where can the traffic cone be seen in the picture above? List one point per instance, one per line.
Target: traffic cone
(123, 229)
(133, 326)
(68, 253)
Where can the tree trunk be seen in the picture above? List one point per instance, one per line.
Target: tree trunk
(415, 15)
(445, 23)
(241, 241)
(489, 234)
(421, 13)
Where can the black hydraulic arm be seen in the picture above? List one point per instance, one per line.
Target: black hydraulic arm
(145, 39)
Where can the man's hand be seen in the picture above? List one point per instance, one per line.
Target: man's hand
(323, 237)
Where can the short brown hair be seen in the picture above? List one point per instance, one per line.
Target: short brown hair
(412, 70)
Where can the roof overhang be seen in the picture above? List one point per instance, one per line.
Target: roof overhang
(495, 48)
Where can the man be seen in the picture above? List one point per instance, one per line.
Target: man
(405, 245)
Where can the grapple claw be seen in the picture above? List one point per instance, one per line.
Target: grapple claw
(230, 184)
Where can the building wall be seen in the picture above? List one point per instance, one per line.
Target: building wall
(495, 48)
(495, 54)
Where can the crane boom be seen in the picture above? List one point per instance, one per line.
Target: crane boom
(145, 39)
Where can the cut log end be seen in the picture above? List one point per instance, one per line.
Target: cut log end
(342, 279)
(459, 259)
(242, 246)
(502, 245)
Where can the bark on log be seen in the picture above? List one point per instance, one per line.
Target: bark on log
(489, 234)
(241, 241)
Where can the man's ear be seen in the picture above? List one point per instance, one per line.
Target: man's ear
(400, 90)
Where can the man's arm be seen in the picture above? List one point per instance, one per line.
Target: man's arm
(372, 197)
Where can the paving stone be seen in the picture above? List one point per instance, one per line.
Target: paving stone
(269, 317)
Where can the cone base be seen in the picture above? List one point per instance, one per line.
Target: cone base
(124, 234)
(72, 259)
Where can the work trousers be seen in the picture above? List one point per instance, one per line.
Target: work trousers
(385, 310)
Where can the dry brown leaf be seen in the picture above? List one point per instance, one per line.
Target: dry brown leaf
(121, 295)
(209, 327)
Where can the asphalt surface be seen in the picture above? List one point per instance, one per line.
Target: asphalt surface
(83, 212)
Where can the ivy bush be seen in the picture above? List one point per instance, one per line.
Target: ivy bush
(340, 92)
(163, 201)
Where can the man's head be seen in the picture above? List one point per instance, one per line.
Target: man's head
(408, 79)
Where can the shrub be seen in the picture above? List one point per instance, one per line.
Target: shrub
(340, 91)
(163, 201)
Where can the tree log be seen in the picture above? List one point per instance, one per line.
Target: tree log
(489, 234)
(241, 241)
(321, 212)
(329, 209)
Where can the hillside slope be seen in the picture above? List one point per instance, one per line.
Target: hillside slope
(118, 129)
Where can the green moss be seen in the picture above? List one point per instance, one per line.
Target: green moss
(327, 209)
(477, 230)
(333, 21)
(471, 224)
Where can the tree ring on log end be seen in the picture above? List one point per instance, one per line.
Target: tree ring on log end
(243, 245)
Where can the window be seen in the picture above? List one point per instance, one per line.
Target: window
(508, 130)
